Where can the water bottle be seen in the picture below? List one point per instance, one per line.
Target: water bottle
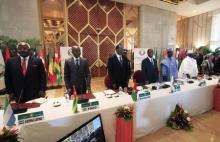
(67, 97)
(120, 90)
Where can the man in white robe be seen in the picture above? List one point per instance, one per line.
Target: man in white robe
(188, 66)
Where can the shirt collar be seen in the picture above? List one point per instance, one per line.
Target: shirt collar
(27, 58)
(76, 58)
(151, 59)
(118, 55)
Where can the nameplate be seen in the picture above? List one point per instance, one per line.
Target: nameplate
(30, 117)
(177, 87)
(143, 95)
(90, 105)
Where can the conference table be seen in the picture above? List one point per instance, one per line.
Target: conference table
(150, 114)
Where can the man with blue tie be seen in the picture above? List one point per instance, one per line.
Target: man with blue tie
(149, 68)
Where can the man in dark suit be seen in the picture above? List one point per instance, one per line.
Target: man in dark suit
(77, 73)
(149, 68)
(119, 68)
(25, 76)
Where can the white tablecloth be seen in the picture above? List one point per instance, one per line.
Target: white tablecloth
(150, 114)
(59, 121)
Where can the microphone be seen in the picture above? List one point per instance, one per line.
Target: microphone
(20, 95)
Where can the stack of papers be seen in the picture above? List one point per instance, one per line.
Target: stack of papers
(38, 100)
(109, 92)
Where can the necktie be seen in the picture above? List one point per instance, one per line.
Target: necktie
(120, 60)
(23, 65)
(77, 63)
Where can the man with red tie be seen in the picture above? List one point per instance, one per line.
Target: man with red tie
(25, 76)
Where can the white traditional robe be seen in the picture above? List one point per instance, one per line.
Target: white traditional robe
(188, 66)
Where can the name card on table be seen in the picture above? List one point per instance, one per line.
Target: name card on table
(175, 88)
(30, 117)
(143, 95)
(90, 105)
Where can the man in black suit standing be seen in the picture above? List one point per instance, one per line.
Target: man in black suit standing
(77, 73)
(149, 68)
(119, 68)
(25, 76)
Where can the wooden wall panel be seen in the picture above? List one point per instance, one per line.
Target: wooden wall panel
(97, 26)
(194, 32)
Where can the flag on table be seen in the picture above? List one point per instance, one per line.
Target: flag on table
(51, 74)
(8, 118)
(75, 100)
(57, 69)
(134, 92)
(7, 54)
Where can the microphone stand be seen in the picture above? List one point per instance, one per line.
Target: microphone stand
(18, 109)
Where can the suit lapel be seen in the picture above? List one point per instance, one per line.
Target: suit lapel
(73, 65)
(19, 65)
(29, 64)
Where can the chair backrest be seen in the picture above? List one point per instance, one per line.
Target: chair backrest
(107, 82)
(138, 77)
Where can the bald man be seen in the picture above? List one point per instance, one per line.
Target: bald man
(77, 73)
(25, 76)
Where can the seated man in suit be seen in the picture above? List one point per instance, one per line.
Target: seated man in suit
(77, 73)
(25, 76)
(119, 68)
(149, 68)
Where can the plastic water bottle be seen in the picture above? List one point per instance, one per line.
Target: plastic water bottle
(67, 97)
(158, 85)
(120, 90)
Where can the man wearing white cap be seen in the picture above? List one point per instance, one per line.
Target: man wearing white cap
(188, 67)
(25, 76)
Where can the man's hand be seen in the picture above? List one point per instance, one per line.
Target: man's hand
(42, 94)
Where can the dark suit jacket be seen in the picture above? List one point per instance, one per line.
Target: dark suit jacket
(119, 74)
(149, 70)
(80, 78)
(25, 87)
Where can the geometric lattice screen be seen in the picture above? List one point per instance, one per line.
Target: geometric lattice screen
(97, 26)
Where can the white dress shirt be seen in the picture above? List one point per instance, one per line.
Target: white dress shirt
(76, 59)
(151, 60)
(119, 57)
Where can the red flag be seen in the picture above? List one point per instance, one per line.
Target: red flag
(7, 54)
(135, 87)
(74, 93)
